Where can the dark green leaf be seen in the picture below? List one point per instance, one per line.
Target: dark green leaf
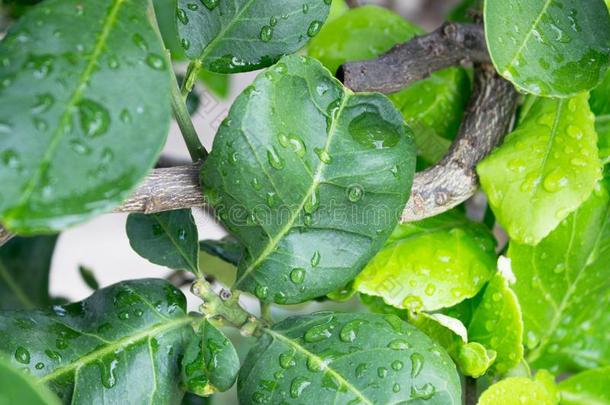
(544, 170)
(193, 399)
(549, 47)
(311, 184)
(432, 107)
(228, 249)
(210, 363)
(17, 388)
(24, 272)
(586, 388)
(244, 35)
(165, 11)
(465, 11)
(73, 140)
(121, 345)
(330, 358)
(431, 264)
(168, 239)
(564, 290)
(88, 277)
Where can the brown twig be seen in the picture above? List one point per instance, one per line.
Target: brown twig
(453, 180)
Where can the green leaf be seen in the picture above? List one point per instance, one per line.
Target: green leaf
(310, 184)
(431, 264)
(122, 344)
(228, 249)
(586, 388)
(339, 358)
(24, 272)
(518, 391)
(563, 288)
(465, 10)
(552, 48)
(210, 363)
(88, 277)
(497, 324)
(337, 9)
(432, 107)
(217, 83)
(165, 11)
(73, 141)
(600, 105)
(244, 35)
(544, 170)
(16, 387)
(168, 239)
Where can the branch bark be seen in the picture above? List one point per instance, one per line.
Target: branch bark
(163, 190)
(487, 119)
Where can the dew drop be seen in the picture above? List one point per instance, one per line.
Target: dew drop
(426, 391)
(298, 385)
(297, 275)
(323, 155)
(314, 28)
(371, 131)
(155, 61)
(349, 332)
(319, 332)
(355, 193)
(417, 363)
(399, 344)
(94, 119)
(266, 33)
(210, 4)
(315, 259)
(43, 103)
(182, 17)
(22, 355)
(274, 159)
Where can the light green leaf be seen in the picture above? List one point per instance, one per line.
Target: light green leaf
(517, 391)
(496, 323)
(600, 105)
(339, 358)
(474, 359)
(210, 363)
(544, 170)
(168, 239)
(217, 83)
(337, 9)
(16, 387)
(563, 288)
(311, 185)
(431, 264)
(122, 344)
(432, 107)
(73, 141)
(591, 387)
(244, 35)
(24, 272)
(552, 48)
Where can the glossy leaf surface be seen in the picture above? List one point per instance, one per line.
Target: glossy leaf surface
(210, 363)
(563, 288)
(120, 345)
(497, 324)
(244, 35)
(549, 47)
(432, 107)
(588, 387)
(337, 358)
(24, 272)
(73, 141)
(228, 249)
(544, 170)
(600, 105)
(517, 391)
(431, 264)
(168, 239)
(16, 387)
(312, 184)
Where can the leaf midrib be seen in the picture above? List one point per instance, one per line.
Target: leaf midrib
(116, 345)
(317, 179)
(171, 238)
(319, 362)
(13, 286)
(85, 76)
(519, 51)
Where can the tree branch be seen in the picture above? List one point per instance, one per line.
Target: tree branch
(487, 119)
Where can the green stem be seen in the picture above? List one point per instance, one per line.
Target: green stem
(191, 77)
(227, 308)
(266, 312)
(194, 145)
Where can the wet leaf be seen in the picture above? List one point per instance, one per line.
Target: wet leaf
(73, 141)
(125, 341)
(16, 387)
(24, 272)
(517, 391)
(210, 363)
(544, 170)
(600, 105)
(168, 239)
(165, 11)
(432, 107)
(563, 288)
(228, 249)
(588, 387)
(550, 48)
(497, 324)
(338, 358)
(431, 264)
(312, 184)
(244, 35)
